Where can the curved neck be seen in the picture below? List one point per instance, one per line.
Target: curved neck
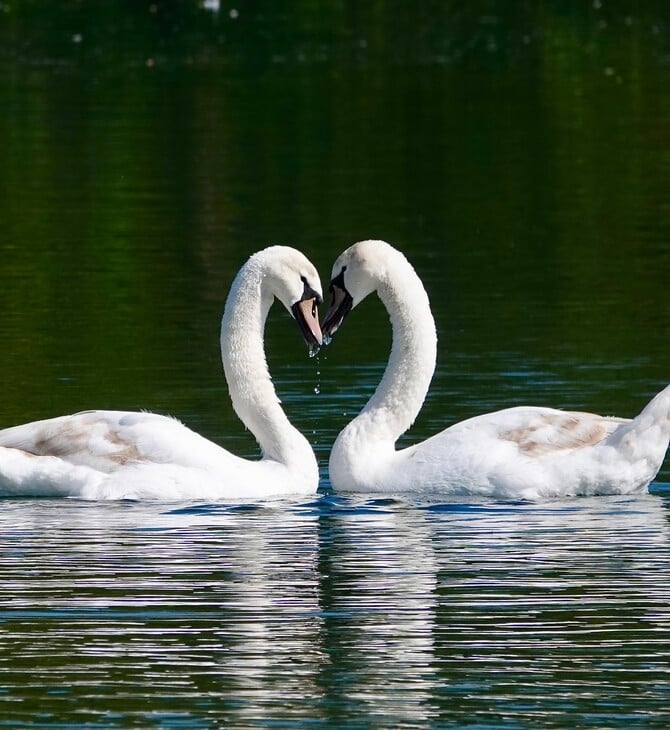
(399, 396)
(251, 390)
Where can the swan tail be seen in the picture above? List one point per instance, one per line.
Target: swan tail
(646, 437)
(26, 475)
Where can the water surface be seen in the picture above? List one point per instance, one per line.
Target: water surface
(518, 154)
(360, 612)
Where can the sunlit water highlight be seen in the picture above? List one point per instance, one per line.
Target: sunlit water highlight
(373, 613)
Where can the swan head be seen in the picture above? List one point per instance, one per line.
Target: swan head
(291, 277)
(357, 272)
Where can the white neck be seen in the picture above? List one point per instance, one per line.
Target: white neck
(399, 396)
(251, 390)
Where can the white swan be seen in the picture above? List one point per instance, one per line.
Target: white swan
(522, 452)
(118, 455)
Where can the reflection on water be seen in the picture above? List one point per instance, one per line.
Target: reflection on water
(563, 601)
(374, 613)
(379, 578)
(135, 611)
(517, 152)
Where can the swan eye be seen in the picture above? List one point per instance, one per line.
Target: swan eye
(338, 281)
(309, 293)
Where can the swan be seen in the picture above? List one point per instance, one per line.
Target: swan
(518, 453)
(125, 455)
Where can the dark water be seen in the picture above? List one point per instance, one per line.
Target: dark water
(519, 153)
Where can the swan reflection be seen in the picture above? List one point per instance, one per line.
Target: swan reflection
(337, 610)
(378, 579)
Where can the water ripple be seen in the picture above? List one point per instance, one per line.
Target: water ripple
(333, 609)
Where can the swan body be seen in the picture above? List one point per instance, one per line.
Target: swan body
(126, 455)
(523, 452)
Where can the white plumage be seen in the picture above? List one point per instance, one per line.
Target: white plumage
(524, 452)
(119, 455)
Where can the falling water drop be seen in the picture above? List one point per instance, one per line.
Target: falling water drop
(317, 387)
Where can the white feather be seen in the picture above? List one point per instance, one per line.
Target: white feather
(523, 452)
(119, 455)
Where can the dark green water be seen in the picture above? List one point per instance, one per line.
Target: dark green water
(519, 153)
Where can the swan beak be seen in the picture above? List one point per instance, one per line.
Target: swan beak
(340, 306)
(306, 314)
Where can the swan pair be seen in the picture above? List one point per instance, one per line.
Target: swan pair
(524, 452)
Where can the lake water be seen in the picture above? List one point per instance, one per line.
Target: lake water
(519, 155)
(334, 613)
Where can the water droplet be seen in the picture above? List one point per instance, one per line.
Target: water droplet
(327, 339)
(317, 389)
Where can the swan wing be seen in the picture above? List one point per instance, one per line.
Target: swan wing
(108, 440)
(523, 451)
(543, 431)
(531, 432)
